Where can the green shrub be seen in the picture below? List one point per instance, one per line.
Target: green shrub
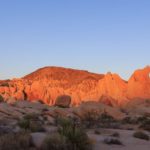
(141, 135)
(31, 122)
(24, 123)
(19, 141)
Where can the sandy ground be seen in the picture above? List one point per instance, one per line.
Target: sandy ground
(129, 142)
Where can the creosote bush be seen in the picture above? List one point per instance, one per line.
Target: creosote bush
(105, 117)
(141, 135)
(91, 118)
(142, 119)
(145, 124)
(112, 141)
(129, 120)
(107, 121)
(95, 119)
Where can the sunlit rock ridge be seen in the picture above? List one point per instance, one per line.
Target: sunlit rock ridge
(48, 83)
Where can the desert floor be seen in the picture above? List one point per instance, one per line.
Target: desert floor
(126, 137)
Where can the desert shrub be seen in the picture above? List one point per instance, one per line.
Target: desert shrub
(76, 136)
(115, 134)
(91, 118)
(19, 141)
(105, 117)
(31, 122)
(91, 115)
(112, 141)
(141, 135)
(94, 119)
(1, 99)
(142, 119)
(97, 132)
(64, 122)
(107, 121)
(135, 120)
(145, 124)
(24, 123)
(55, 142)
(129, 120)
(36, 126)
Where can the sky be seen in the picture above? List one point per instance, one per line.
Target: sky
(95, 35)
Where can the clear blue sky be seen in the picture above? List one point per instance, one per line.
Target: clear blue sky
(95, 35)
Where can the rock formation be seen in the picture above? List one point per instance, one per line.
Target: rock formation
(48, 83)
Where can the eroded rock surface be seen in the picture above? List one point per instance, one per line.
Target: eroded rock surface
(48, 83)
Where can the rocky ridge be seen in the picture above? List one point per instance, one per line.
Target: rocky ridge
(46, 84)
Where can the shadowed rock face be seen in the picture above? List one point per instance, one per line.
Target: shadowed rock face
(50, 82)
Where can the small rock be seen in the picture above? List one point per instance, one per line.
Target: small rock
(50, 120)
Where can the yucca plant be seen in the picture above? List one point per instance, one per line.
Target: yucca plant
(31, 122)
(76, 136)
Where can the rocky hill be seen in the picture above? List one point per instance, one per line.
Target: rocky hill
(48, 83)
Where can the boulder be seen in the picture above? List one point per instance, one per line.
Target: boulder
(11, 101)
(63, 101)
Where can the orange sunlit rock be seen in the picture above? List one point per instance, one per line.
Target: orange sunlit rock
(48, 83)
